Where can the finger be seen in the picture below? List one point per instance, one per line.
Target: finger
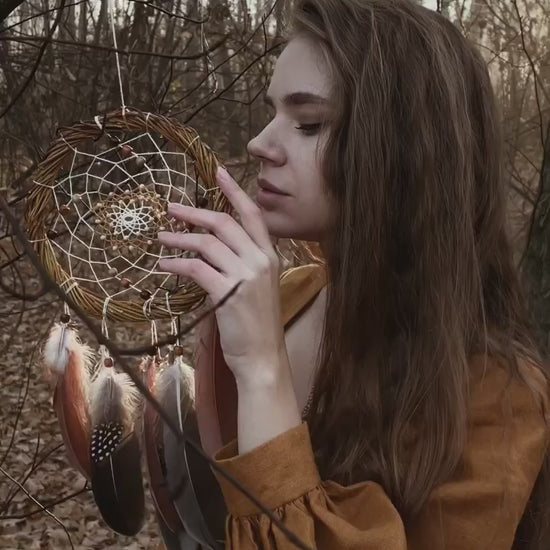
(216, 253)
(215, 284)
(250, 213)
(226, 228)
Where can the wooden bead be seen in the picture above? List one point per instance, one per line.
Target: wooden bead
(108, 362)
(64, 209)
(152, 351)
(65, 318)
(145, 294)
(202, 201)
(52, 234)
(178, 350)
(140, 162)
(126, 283)
(126, 151)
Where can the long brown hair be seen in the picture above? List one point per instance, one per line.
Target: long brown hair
(419, 262)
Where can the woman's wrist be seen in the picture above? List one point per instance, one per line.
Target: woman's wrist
(267, 404)
(269, 371)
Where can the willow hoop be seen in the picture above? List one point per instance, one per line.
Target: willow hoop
(41, 205)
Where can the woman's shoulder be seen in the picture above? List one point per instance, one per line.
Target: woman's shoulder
(298, 287)
(495, 389)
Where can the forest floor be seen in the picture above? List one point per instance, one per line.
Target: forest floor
(32, 453)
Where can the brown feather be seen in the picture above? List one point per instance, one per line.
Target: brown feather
(115, 453)
(67, 362)
(152, 439)
(216, 390)
(71, 407)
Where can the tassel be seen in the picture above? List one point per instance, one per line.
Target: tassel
(114, 451)
(198, 499)
(67, 363)
(154, 452)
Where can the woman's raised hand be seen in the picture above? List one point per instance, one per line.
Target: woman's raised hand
(251, 331)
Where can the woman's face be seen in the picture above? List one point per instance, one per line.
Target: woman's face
(287, 147)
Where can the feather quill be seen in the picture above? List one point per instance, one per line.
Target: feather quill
(67, 362)
(115, 453)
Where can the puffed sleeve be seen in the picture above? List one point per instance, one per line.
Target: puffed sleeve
(478, 508)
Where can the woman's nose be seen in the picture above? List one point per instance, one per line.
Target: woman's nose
(265, 148)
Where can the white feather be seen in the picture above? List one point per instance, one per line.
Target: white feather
(175, 388)
(130, 397)
(61, 341)
(176, 373)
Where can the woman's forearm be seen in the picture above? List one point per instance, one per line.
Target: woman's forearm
(267, 408)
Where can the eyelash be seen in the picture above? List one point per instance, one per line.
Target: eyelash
(308, 129)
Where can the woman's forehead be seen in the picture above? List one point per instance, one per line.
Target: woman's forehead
(300, 71)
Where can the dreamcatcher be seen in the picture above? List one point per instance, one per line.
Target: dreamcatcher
(99, 199)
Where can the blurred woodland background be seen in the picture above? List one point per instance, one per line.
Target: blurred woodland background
(205, 64)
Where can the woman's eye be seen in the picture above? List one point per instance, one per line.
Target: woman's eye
(309, 129)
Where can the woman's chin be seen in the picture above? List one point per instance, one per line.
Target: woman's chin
(285, 233)
(282, 227)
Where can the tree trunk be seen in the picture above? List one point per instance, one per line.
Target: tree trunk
(6, 7)
(537, 256)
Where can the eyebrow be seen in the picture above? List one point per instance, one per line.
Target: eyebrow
(298, 98)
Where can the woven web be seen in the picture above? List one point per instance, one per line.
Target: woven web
(110, 206)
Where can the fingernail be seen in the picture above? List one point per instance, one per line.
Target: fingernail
(222, 175)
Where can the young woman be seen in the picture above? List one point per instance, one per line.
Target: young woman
(427, 422)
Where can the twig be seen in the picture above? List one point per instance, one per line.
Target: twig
(540, 190)
(42, 13)
(170, 13)
(227, 59)
(230, 85)
(37, 61)
(110, 49)
(39, 504)
(533, 68)
(48, 505)
(114, 350)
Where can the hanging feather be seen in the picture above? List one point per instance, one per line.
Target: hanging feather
(176, 541)
(67, 363)
(114, 451)
(154, 452)
(216, 389)
(196, 494)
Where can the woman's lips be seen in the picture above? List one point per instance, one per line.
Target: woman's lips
(264, 184)
(269, 199)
